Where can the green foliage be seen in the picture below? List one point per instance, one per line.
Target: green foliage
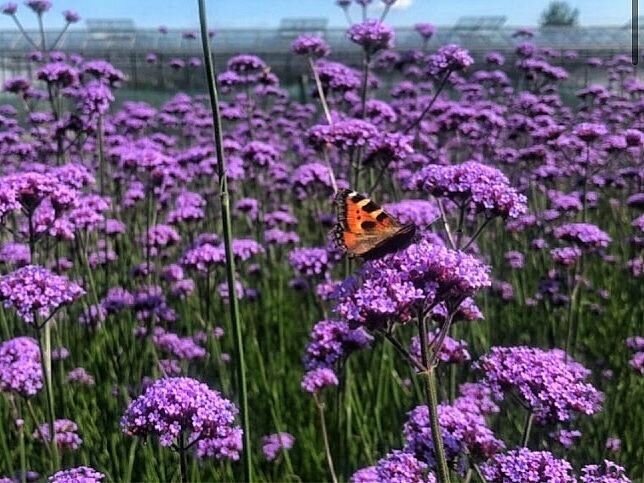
(559, 14)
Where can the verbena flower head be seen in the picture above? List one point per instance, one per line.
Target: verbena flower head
(227, 447)
(71, 16)
(365, 475)
(81, 376)
(330, 341)
(180, 347)
(178, 405)
(553, 389)
(425, 30)
(317, 379)
(96, 98)
(526, 466)
(584, 235)
(401, 467)
(65, 434)
(30, 189)
(345, 135)
(422, 275)
(335, 76)
(476, 397)
(421, 213)
(566, 256)
(35, 291)
(104, 72)
(451, 351)
(58, 74)
(244, 249)
(161, 236)
(20, 368)
(204, 257)
(274, 444)
(310, 262)
(464, 430)
(15, 254)
(485, 187)
(9, 8)
(589, 132)
(606, 472)
(449, 57)
(371, 35)
(38, 6)
(80, 474)
(117, 299)
(311, 46)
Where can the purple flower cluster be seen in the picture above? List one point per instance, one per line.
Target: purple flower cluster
(65, 434)
(36, 292)
(20, 368)
(425, 30)
(330, 341)
(422, 275)
(421, 213)
(553, 389)
(79, 474)
(451, 350)
(181, 347)
(310, 262)
(81, 376)
(204, 257)
(584, 235)
(30, 189)
(485, 187)
(397, 467)
(317, 379)
(464, 431)
(345, 135)
(371, 35)
(606, 472)
(38, 6)
(161, 236)
(274, 444)
(449, 58)
(172, 406)
(311, 46)
(566, 256)
(526, 466)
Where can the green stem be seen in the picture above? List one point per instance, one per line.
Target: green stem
(227, 232)
(130, 460)
(571, 311)
(23, 454)
(44, 344)
(24, 33)
(431, 396)
(60, 36)
(325, 437)
(183, 457)
(479, 474)
(431, 103)
(525, 437)
(41, 28)
(318, 86)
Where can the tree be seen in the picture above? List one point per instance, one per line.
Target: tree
(559, 14)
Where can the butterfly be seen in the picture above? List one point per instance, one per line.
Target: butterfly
(365, 230)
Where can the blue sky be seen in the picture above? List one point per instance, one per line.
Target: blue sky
(267, 13)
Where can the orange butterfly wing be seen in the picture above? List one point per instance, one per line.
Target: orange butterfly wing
(365, 230)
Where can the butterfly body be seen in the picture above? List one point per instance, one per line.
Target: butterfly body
(365, 230)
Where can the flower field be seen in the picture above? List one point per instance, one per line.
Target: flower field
(427, 270)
